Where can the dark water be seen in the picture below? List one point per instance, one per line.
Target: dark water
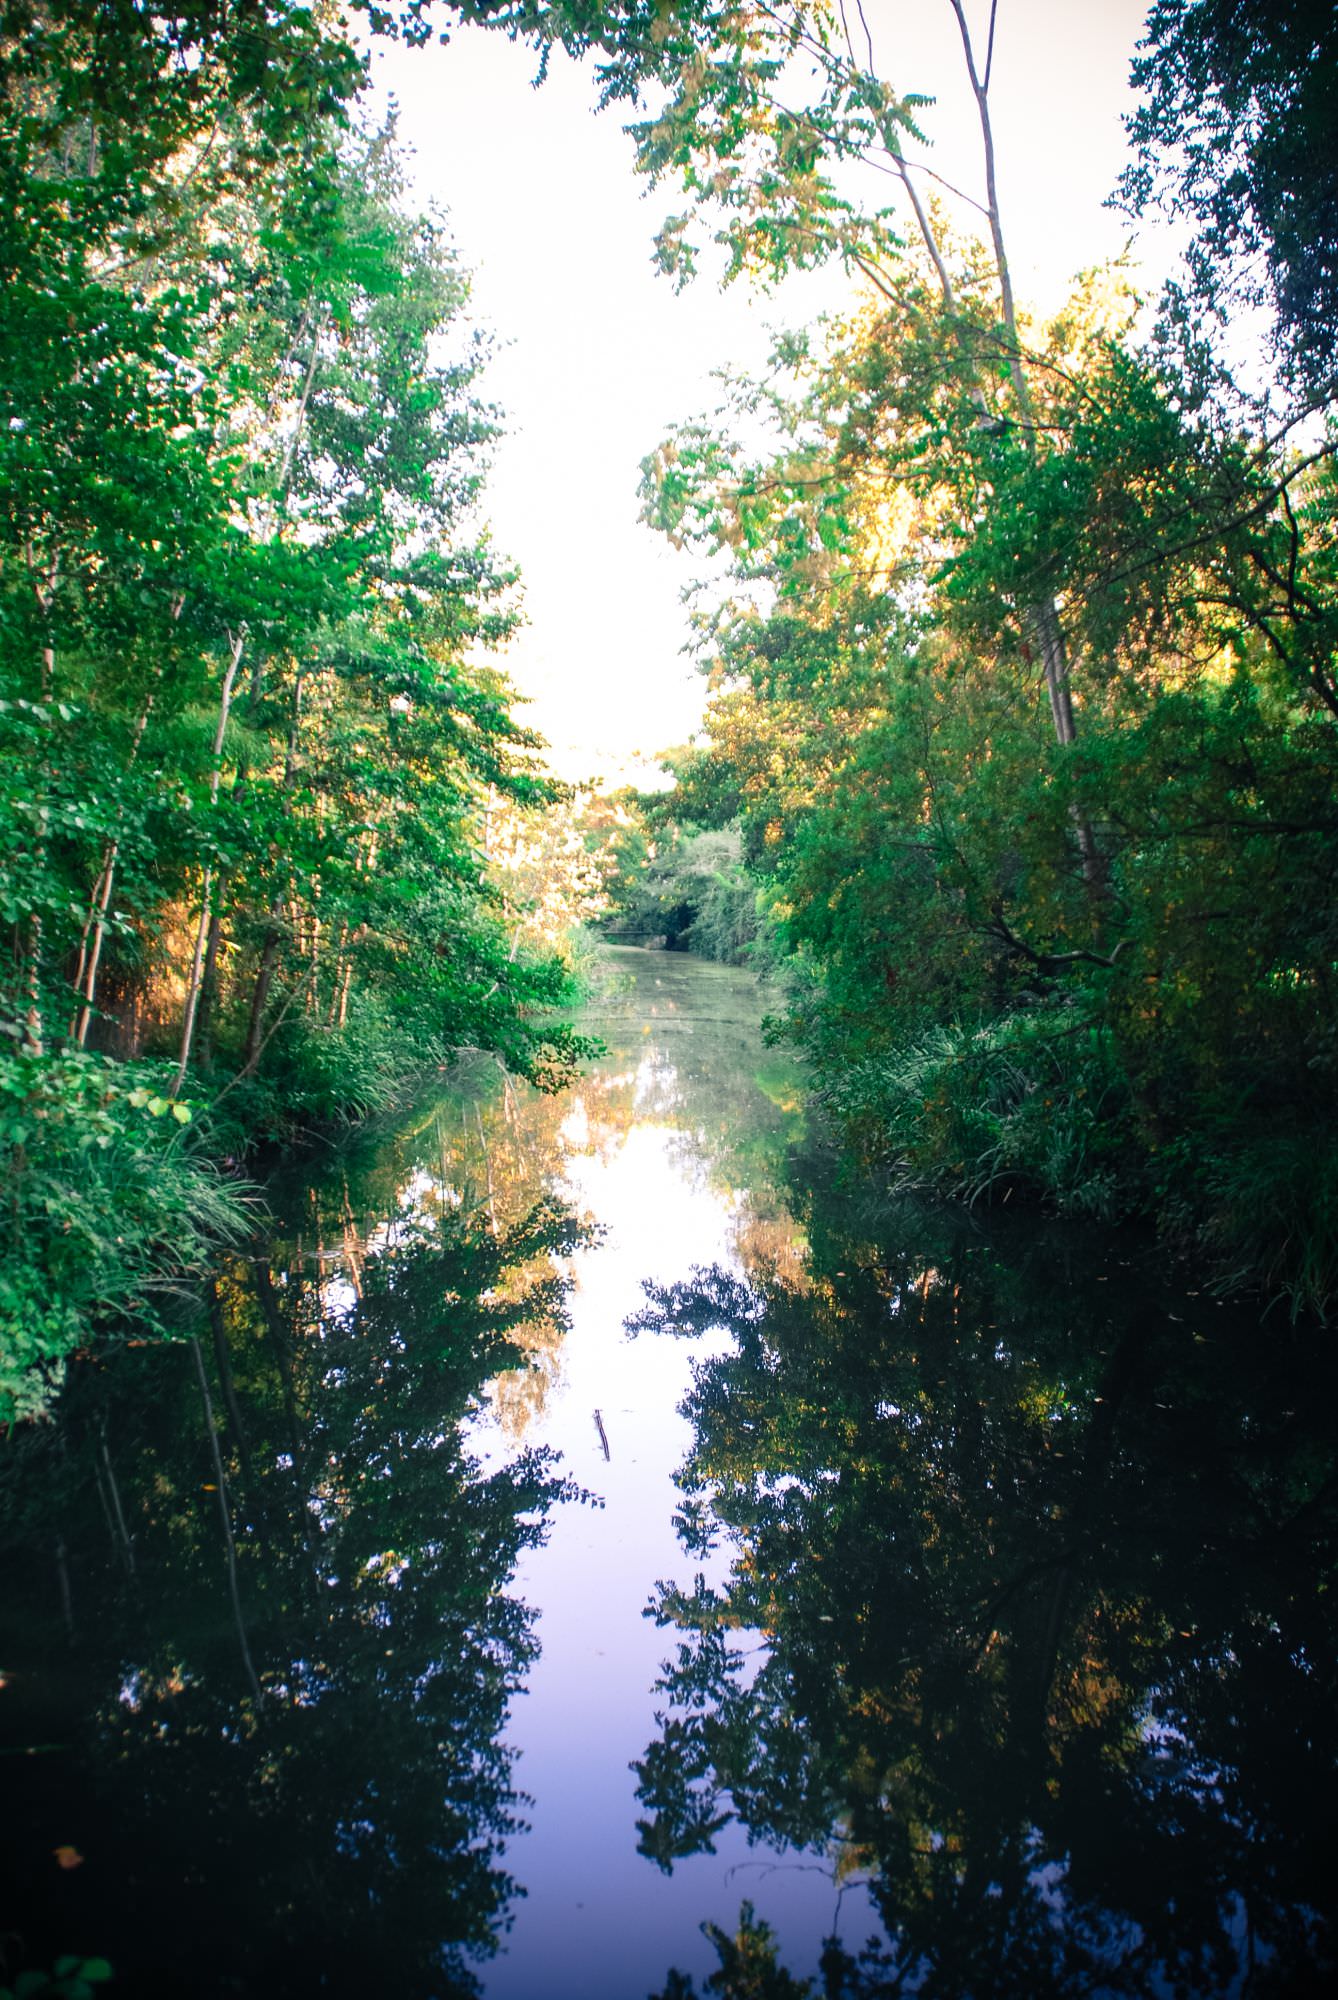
(990, 1578)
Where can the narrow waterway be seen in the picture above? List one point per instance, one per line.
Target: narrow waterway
(575, 1518)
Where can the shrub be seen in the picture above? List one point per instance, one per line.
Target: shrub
(326, 1076)
(1263, 1204)
(109, 1207)
(1032, 1100)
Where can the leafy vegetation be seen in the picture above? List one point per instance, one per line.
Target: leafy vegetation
(685, 890)
(250, 738)
(1021, 752)
(1024, 671)
(108, 1210)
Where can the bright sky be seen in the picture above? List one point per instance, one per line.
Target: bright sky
(602, 357)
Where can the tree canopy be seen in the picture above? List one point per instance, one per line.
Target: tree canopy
(252, 731)
(1024, 668)
(1235, 131)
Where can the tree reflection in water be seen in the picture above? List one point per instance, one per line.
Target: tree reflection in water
(1026, 1622)
(295, 1721)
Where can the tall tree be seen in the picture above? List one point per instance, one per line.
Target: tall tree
(1235, 132)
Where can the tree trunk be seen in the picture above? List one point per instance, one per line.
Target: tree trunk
(225, 1515)
(206, 898)
(33, 1026)
(95, 930)
(204, 1022)
(269, 950)
(1040, 618)
(269, 958)
(223, 1360)
(125, 1546)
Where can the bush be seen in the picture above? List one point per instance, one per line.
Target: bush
(327, 1076)
(1035, 1101)
(695, 893)
(109, 1207)
(1263, 1204)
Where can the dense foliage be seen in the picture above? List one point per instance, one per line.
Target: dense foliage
(1025, 703)
(249, 744)
(684, 890)
(1001, 1590)
(1235, 129)
(1025, 670)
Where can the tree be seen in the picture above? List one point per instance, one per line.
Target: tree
(249, 728)
(1235, 132)
(951, 501)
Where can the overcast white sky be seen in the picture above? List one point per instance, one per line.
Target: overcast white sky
(602, 357)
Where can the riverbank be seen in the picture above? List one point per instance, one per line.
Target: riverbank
(124, 1180)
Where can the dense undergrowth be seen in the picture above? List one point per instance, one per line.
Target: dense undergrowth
(261, 787)
(111, 1205)
(1024, 665)
(986, 1022)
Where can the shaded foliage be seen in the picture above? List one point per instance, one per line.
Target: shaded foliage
(293, 1672)
(249, 732)
(1018, 1615)
(1235, 131)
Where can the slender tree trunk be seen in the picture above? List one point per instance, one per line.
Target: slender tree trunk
(255, 1026)
(487, 1172)
(95, 928)
(282, 1343)
(44, 583)
(353, 1246)
(1040, 618)
(125, 1546)
(223, 1360)
(273, 937)
(206, 898)
(90, 944)
(204, 1023)
(350, 935)
(33, 1031)
(340, 962)
(281, 488)
(272, 1314)
(34, 1034)
(346, 980)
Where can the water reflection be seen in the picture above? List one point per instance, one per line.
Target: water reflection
(1026, 1620)
(269, 1594)
(999, 1620)
(270, 1730)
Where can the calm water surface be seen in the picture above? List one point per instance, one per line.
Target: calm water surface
(577, 1517)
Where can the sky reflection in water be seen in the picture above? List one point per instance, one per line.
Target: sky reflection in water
(988, 1575)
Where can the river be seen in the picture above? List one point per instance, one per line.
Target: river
(574, 1518)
